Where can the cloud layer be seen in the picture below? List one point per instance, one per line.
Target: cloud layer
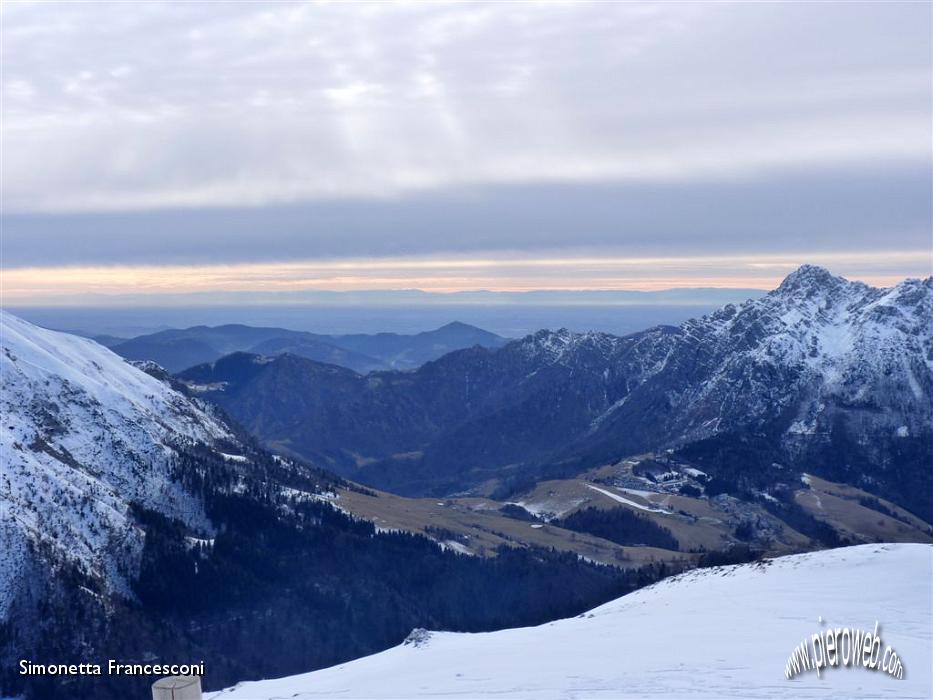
(191, 132)
(252, 103)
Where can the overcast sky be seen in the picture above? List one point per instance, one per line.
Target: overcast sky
(145, 144)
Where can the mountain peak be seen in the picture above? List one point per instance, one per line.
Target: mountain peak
(810, 274)
(811, 278)
(461, 327)
(457, 324)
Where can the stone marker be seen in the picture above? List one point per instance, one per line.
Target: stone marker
(177, 688)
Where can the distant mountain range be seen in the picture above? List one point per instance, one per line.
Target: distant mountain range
(821, 374)
(112, 320)
(178, 349)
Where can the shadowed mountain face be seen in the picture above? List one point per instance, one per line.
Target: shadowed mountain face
(822, 373)
(178, 349)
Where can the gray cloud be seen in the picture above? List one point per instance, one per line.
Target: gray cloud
(195, 132)
(882, 209)
(215, 104)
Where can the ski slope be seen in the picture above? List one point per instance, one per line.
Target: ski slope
(714, 633)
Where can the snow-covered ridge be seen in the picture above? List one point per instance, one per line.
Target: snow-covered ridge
(834, 340)
(560, 345)
(816, 346)
(710, 633)
(83, 435)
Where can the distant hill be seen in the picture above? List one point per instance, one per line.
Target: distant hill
(178, 349)
(410, 351)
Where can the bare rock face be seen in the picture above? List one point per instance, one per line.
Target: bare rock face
(419, 637)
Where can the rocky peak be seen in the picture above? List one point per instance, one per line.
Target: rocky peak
(810, 279)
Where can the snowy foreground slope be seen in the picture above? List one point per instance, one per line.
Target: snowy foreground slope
(713, 633)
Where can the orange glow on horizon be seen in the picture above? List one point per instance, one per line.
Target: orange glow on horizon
(502, 273)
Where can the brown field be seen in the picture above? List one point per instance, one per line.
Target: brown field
(475, 526)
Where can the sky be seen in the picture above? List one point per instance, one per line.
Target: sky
(200, 148)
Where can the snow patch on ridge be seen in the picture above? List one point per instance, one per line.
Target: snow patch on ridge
(626, 501)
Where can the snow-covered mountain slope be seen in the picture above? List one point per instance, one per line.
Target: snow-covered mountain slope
(814, 344)
(712, 633)
(822, 374)
(84, 434)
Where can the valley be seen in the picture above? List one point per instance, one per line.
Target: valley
(699, 524)
(821, 376)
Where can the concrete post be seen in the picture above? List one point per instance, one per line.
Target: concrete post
(177, 688)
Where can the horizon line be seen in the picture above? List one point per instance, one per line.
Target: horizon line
(438, 279)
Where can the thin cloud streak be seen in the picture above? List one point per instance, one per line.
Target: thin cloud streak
(63, 285)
